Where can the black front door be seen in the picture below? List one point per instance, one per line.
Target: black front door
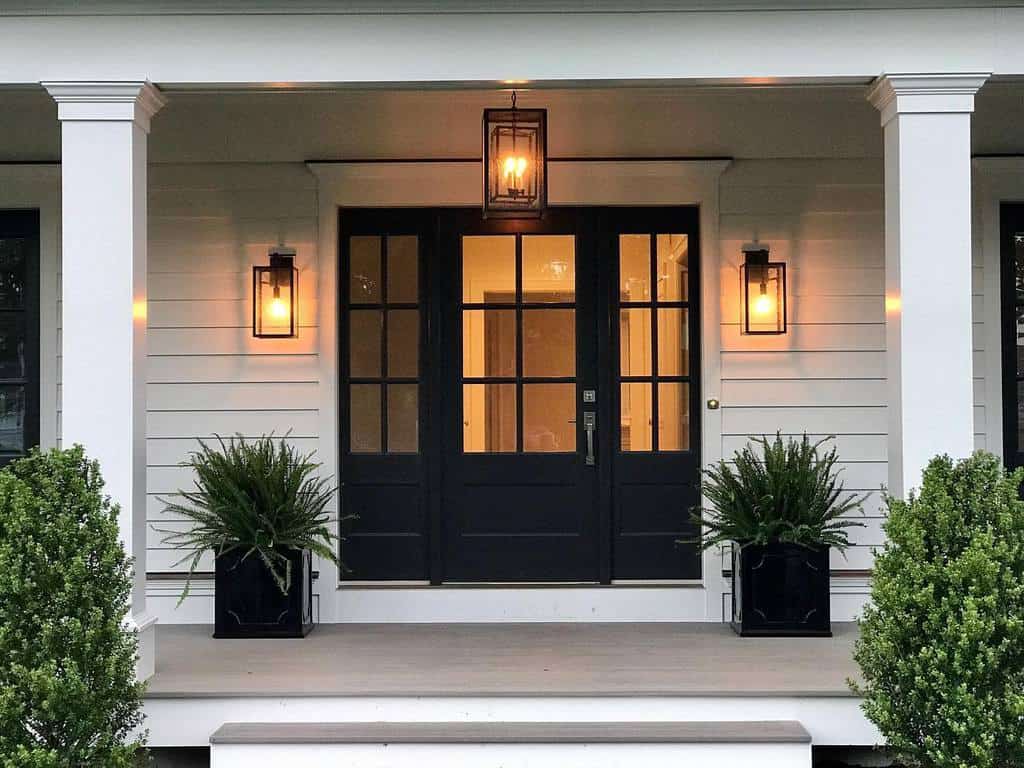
(553, 386)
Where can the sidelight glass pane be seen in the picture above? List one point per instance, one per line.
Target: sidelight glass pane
(489, 419)
(489, 269)
(488, 342)
(364, 418)
(12, 345)
(549, 268)
(672, 251)
(549, 418)
(635, 342)
(403, 418)
(635, 267)
(364, 333)
(549, 342)
(403, 342)
(672, 343)
(403, 269)
(364, 269)
(673, 416)
(12, 419)
(635, 411)
(12, 273)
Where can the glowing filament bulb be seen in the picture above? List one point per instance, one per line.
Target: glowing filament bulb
(279, 309)
(763, 304)
(513, 170)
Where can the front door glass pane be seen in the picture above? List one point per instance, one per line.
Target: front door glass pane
(637, 404)
(635, 342)
(364, 269)
(403, 343)
(549, 342)
(672, 273)
(673, 416)
(489, 418)
(549, 418)
(365, 328)
(403, 418)
(489, 269)
(489, 343)
(549, 269)
(365, 418)
(635, 267)
(403, 271)
(673, 352)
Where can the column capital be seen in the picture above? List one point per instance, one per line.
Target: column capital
(899, 94)
(136, 100)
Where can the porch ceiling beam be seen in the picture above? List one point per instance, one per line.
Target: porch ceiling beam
(752, 47)
(104, 130)
(926, 123)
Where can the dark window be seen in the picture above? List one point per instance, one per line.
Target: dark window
(19, 333)
(1012, 218)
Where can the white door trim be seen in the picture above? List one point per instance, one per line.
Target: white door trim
(571, 182)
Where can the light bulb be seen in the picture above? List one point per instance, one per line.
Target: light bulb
(278, 309)
(520, 167)
(763, 304)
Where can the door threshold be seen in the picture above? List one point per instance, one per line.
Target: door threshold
(634, 584)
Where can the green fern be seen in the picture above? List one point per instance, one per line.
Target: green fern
(789, 493)
(262, 497)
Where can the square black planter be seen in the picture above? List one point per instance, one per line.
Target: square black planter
(249, 604)
(780, 590)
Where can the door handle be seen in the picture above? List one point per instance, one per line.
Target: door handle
(590, 426)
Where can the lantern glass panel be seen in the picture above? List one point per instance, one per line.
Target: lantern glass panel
(764, 299)
(515, 148)
(274, 299)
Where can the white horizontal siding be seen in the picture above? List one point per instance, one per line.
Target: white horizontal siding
(208, 226)
(827, 375)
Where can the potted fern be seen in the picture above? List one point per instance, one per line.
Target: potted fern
(782, 508)
(261, 509)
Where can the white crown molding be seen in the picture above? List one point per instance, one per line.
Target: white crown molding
(135, 100)
(899, 94)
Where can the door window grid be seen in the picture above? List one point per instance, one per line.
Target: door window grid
(662, 298)
(496, 388)
(18, 344)
(383, 405)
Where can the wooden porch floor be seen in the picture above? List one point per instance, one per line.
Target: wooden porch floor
(503, 660)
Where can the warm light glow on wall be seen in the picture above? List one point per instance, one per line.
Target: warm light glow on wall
(139, 309)
(763, 292)
(893, 304)
(274, 296)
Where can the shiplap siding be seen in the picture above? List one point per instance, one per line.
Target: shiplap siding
(208, 225)
(826, 376)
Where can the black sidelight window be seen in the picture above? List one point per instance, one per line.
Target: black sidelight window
(1012, 279)
(19, 333)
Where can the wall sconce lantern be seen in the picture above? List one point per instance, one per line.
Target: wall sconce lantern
(515, 162)
(764, 292)
(274, 296)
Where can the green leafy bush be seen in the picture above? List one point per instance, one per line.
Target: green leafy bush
(789, 493)
(941, 648)
(263, 497)
(68, 695)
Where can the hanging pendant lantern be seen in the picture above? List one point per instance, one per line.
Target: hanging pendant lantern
(515, 162)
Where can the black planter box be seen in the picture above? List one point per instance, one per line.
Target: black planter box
(780, 590)
(248, 602)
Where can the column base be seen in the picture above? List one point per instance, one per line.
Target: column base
(145, 625)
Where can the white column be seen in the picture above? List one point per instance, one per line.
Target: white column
(104, 128)
(926, 122)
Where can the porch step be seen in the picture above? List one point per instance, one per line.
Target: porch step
(721, 744)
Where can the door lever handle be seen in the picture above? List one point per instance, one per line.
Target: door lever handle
(590, 426)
